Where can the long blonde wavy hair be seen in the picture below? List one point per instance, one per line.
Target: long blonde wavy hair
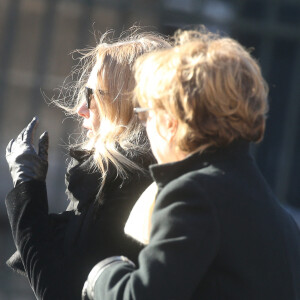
(120, 135)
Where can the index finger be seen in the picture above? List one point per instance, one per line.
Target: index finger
(29, 130)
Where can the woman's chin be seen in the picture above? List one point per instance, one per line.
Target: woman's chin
(90, 133)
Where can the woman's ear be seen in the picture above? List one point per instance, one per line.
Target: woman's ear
(166, 126)
(171, 126)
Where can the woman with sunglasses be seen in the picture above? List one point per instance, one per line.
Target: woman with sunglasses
(107, 173)
(217, 230)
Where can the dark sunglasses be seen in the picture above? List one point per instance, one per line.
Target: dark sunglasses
(88, 93)
(142, 113)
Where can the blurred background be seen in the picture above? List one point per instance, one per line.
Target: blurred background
(37, 36)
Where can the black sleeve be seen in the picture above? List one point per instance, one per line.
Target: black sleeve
(184, 241)
(41, 254)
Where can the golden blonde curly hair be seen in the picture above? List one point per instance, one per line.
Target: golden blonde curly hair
(210, 84)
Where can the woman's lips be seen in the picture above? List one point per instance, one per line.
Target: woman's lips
(86, 127)
(89, 130)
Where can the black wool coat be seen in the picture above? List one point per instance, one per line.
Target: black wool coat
(57, 251)
(218, 233)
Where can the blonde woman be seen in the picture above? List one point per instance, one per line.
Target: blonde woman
(107, 173)
(217, 230)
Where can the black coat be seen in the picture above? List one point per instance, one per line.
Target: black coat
(218, 233)
(58, 250)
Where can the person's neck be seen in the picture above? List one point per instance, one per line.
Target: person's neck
(176, 155)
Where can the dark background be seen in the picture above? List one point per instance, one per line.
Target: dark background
(37, 36)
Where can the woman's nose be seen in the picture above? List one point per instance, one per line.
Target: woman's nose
(83, 110)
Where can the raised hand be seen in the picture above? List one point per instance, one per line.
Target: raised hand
(24, 162)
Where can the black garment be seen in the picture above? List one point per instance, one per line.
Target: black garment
(58, 250)
(218, 233)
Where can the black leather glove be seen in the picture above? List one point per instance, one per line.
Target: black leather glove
(23, 161)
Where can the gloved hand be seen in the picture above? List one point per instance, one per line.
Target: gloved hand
(23, 161)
